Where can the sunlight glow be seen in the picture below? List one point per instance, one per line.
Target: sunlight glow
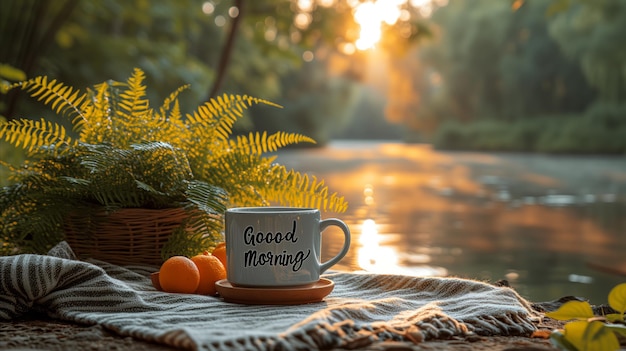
(305, 5)
(326, 3)
(419, 3)
(233, 11)
(368, 194)
(208, 8)
(347, 48)
(371, 16)
(367, 16)
(220, 21)
(308, 56)
(302, 20)
(371, 256)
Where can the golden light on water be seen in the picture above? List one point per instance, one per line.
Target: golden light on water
(376, 255)
(371, 256)
(384, 259)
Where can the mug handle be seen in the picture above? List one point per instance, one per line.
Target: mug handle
(346, 243)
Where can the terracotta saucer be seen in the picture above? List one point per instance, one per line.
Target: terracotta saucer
(275, 296)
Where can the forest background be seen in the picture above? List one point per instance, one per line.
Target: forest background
(514, 75)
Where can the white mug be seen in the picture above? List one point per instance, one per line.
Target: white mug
(277, 246)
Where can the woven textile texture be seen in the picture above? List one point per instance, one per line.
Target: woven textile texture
(362, 309)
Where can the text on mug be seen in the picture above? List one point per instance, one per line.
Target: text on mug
(250, 238)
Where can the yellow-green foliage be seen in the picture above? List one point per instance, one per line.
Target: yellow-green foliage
(586, 332)
(124, 153)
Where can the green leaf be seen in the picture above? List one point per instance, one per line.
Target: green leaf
(617, 298)
(572, 310)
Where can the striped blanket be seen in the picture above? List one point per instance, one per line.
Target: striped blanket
(362, 309)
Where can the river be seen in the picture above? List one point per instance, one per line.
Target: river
(550, 225)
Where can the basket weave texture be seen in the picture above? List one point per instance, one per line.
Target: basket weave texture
(127, 236)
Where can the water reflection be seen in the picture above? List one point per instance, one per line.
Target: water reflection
(540, 222)
(374, 256)
(368, 193)
(371, 256)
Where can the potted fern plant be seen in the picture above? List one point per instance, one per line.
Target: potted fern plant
(137, 184)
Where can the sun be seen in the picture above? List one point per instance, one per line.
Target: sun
(371, 15)
(367, 18)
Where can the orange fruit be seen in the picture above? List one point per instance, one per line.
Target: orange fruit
(211, 270)
(179, 274)
(220, 252)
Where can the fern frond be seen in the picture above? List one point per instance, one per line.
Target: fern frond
(130, 155)
(199, 233)
(36, 136)
(32, 210)
(251, 180)
(62, 99)
(202, 230)
(207, 197)
(301, 190)
(97, 115)
(169, 126)
(131, 177)
(133, 99)
(259, 143)
(240, 174)
(165, 110)
(219, 114)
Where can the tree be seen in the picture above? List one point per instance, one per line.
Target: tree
(592, 33)
(492, 61)
(27, 29)
(244, 47)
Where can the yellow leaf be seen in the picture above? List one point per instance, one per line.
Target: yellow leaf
(597, 337)
(574, 333)
(614, 317)
(11, 73)
(617, 298)
(572, 310)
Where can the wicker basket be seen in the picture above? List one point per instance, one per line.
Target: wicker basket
(124, 237)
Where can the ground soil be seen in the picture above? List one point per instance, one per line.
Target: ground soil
(36, 332)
